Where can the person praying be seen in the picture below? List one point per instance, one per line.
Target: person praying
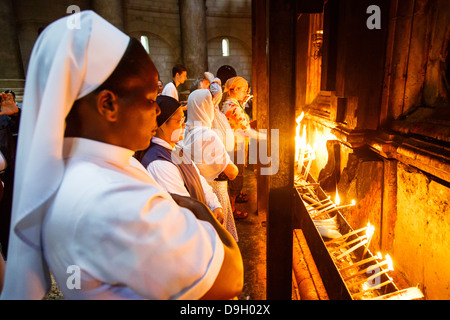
(206, 149)
(165, 162)
(236, 94)
(84, 208)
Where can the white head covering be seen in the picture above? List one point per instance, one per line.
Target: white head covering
(204, 146)
(66, 64)
(200, 109)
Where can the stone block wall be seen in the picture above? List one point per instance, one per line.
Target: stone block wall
(158, 20)
(422, 241)
(415, 232)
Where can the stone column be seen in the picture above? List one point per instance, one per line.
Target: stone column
(193, 37)
(11, 68)
(111, 10)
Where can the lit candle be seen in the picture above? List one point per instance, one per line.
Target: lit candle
(372, 288)
(352, 249)
(370, 268)
(360, 263)
(302, 142)
(311, 157)
(387, 262)
(390, 268)
(369, 232)
(298, 145)
(346, 244)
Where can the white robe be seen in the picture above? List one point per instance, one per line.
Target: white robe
(168, 176)
(126, 235)
(201, 143)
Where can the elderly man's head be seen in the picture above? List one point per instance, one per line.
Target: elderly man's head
(123, 110)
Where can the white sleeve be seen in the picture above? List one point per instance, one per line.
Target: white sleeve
(210, 197)
(168, 176)
(157, 249)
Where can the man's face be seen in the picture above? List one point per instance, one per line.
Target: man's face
(182, 77)
(138, 109)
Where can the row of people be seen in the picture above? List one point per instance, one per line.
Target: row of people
(233, 119)
(9, 124)
(82, 202)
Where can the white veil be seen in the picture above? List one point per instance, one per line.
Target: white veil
(67, 63)
(203, 144)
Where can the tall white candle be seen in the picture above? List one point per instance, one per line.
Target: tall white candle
(351, 249)
(369, 232)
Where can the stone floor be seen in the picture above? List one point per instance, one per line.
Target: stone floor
(252, 242)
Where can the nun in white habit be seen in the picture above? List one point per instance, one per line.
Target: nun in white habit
(83, 206)
(207, 151)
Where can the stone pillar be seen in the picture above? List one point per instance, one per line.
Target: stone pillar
(111, 10)
(193, 37)
(11, 67)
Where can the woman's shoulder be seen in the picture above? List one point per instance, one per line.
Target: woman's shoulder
(229, 104)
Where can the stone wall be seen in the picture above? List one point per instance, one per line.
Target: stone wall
(422, 241)
(158, 20)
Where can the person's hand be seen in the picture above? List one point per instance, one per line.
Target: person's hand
(218, 212)
(8, 106)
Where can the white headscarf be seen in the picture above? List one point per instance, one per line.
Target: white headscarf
(67, 63)
(204, 146)
(200, 109)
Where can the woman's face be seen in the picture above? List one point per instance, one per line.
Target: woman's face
(239, 93)
(174, 126)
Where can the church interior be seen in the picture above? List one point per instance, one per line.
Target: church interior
(350, 197)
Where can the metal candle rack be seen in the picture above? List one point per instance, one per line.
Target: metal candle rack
(314, 213)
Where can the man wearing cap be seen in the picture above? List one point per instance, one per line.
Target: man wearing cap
(83, 207)
(165, 162)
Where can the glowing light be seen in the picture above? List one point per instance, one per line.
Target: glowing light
(370, 230)
(389, 262)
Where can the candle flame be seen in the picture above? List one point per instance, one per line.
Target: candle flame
(300, 118)
(379, 256)
(370, 230)
(353, 202)
(298, 138)
(389, 262)
(337, 199)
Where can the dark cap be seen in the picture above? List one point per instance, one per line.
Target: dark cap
(168, 106)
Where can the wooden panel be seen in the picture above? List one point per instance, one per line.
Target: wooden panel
(282, 118)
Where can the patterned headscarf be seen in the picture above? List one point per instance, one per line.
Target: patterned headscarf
(236, 82)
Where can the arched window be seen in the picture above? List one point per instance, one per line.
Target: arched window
(225, 47)
(144, 41)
